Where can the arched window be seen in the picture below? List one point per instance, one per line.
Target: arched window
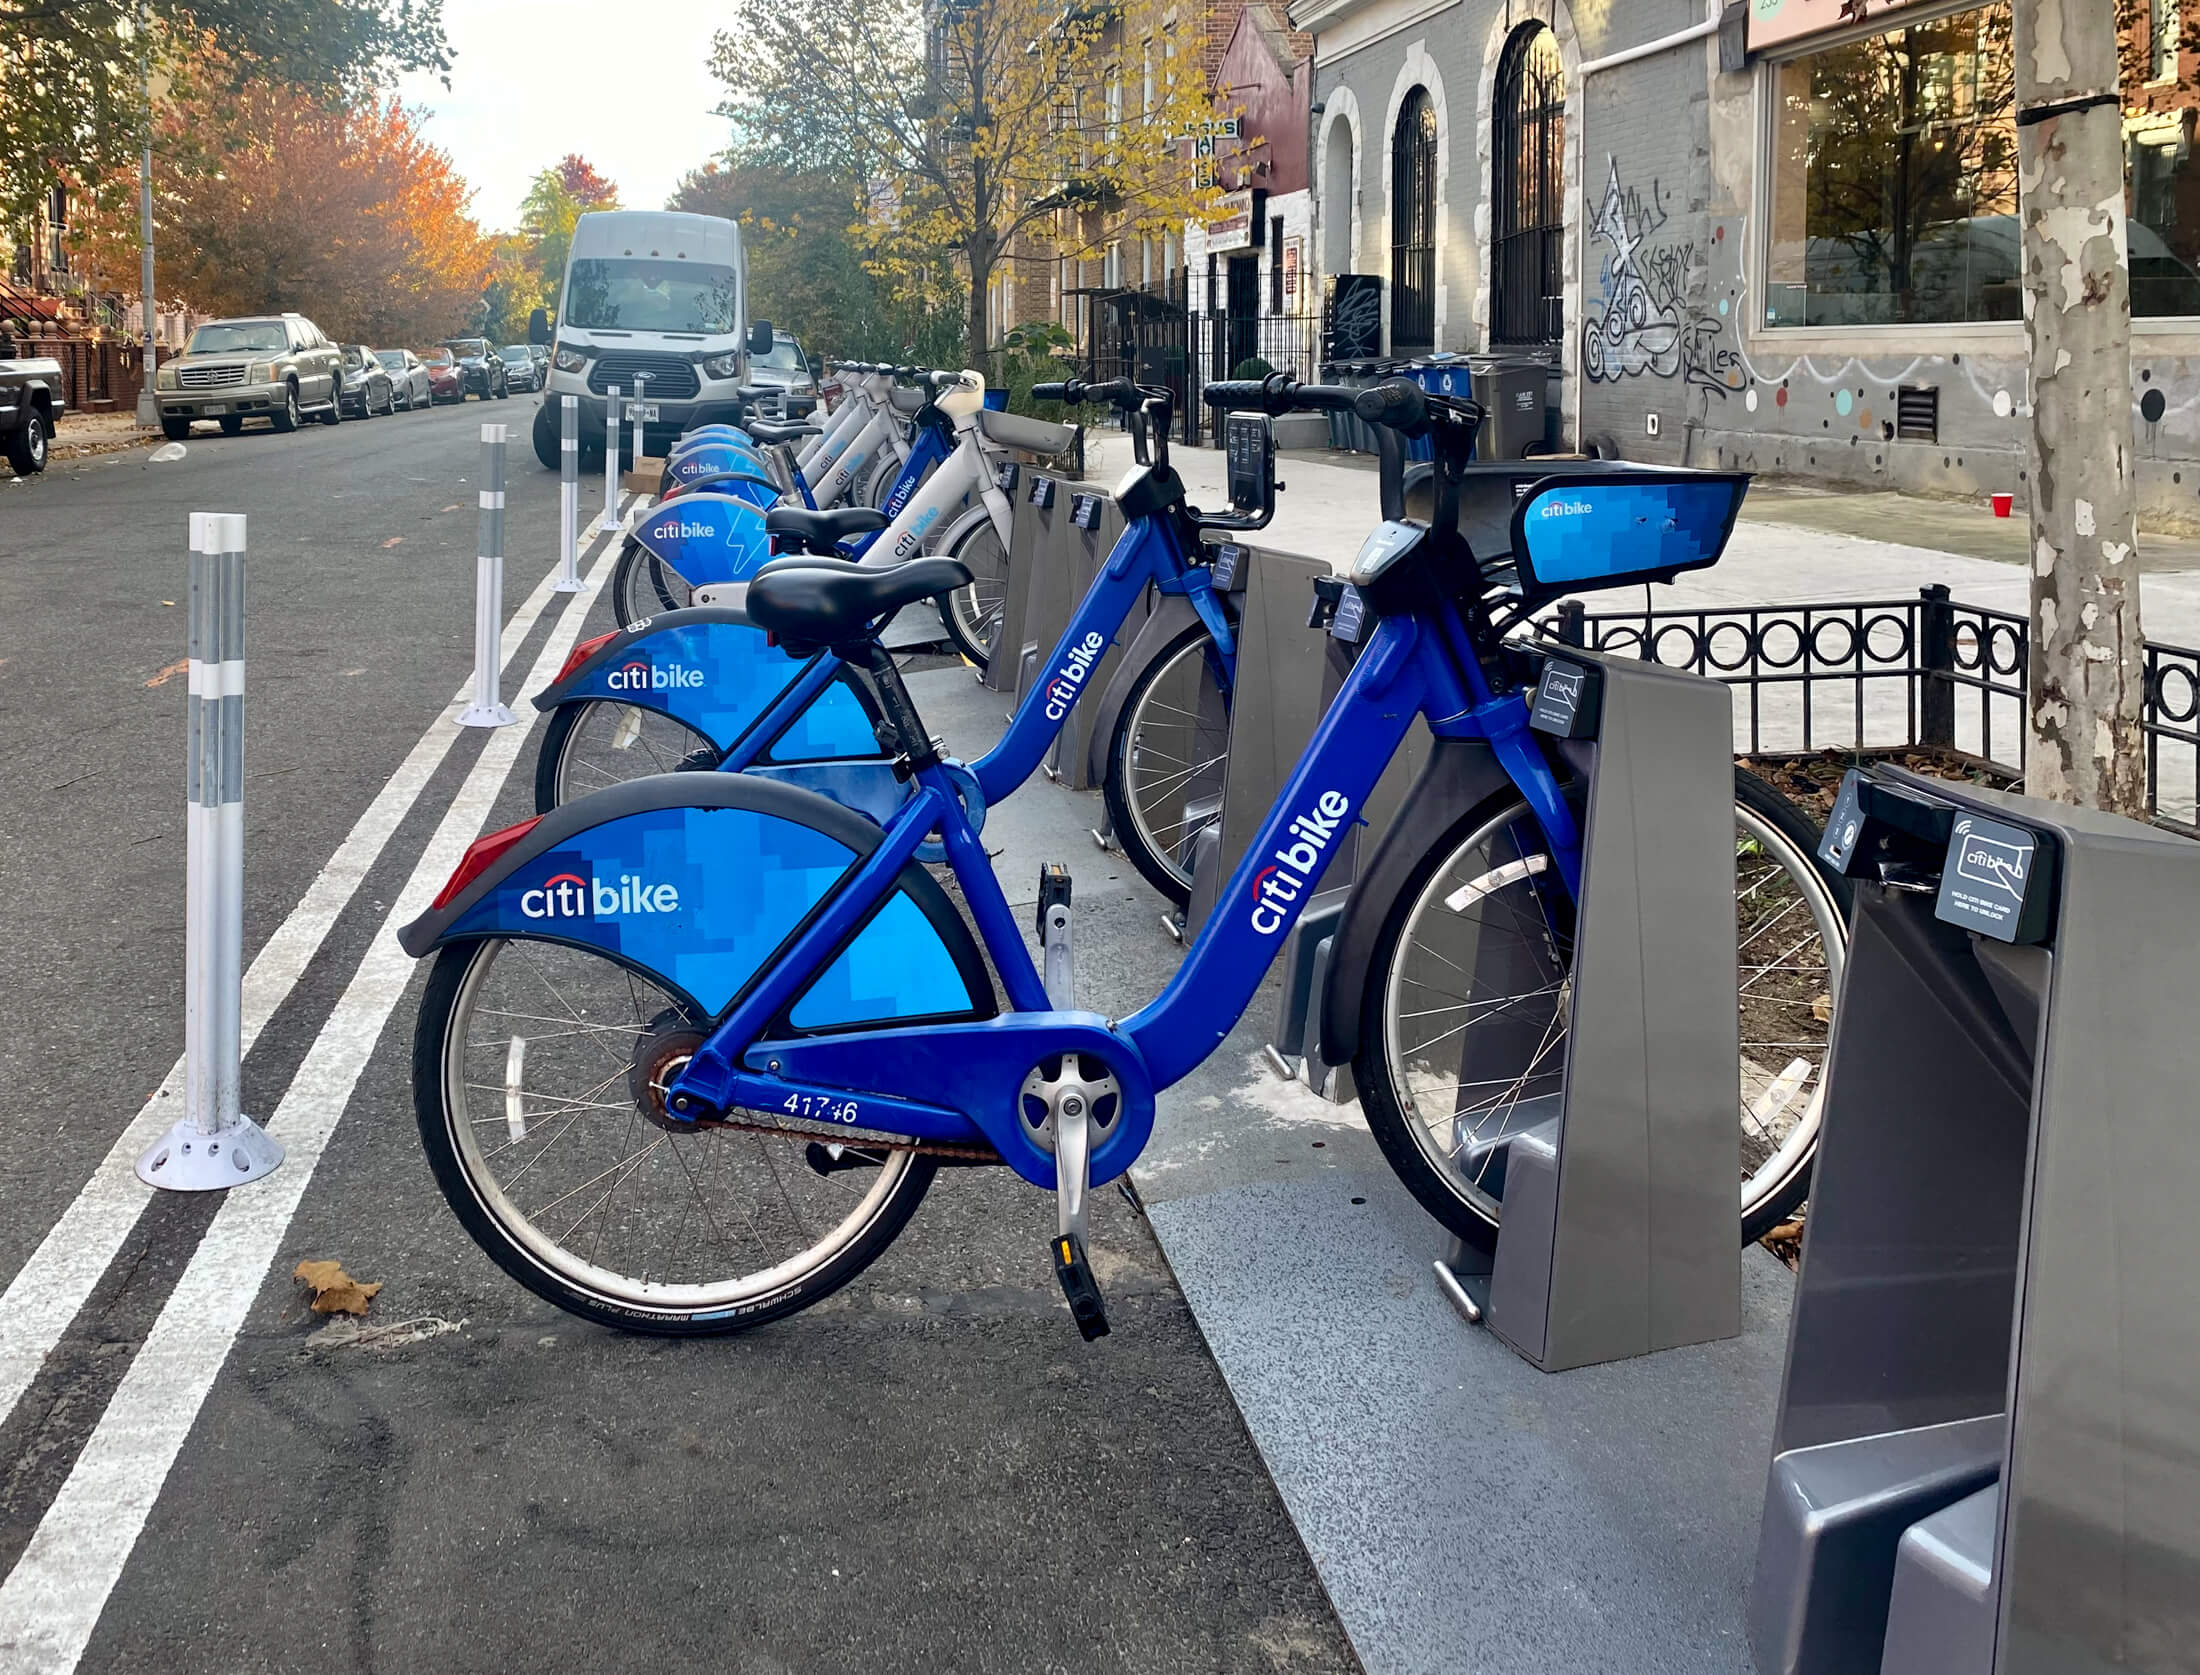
(1413, 225)
(1527, 191)
(1337, 200)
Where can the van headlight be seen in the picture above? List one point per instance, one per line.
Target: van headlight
(569, 359)
(722, 366)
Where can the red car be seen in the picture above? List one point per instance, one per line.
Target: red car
(444, 376)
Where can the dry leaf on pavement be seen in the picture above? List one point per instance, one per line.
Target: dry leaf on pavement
(334, 1291)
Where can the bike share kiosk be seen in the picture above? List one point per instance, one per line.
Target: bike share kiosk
(1983, 1462)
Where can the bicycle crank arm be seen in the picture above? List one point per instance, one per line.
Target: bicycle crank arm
(1072, 1177)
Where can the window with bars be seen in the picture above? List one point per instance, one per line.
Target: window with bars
(1527, 191)
(1413, 225)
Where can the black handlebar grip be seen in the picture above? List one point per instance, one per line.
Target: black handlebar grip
(1122, 392)
(1050, 392)
(1250, 393)
(1397, 402)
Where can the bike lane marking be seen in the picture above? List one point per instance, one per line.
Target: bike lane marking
(53, 1599)
(52, 1286)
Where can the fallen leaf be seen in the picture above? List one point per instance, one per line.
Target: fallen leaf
(1822, 1009)
(451, 508)
(167, 601)
(170, 673)
(354, 672)
(334, 1291)
(393, 541)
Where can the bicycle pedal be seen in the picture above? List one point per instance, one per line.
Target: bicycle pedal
(1080, 1288)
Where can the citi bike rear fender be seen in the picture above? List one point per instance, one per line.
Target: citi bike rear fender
(706, 538)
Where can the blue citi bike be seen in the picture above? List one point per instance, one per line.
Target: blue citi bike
(693, 1047)
(700, 687)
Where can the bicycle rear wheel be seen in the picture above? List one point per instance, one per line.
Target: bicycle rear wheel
(589, 746)
(1167, 761)
(1463, 1027)
(539, 1073)
(643, 585)
(972, 613)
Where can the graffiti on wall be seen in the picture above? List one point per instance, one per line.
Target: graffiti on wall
(1649, 321)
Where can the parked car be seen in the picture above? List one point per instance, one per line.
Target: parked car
(445, 381)
(408, 378)
(480, 369)
(521, 370)
(366, 388)
(30, 404)
(276, 367)
(786, 368)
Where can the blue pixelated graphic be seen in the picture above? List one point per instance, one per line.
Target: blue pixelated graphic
(1611, 531)
(718, 678)
(897, 967)
(704, 896)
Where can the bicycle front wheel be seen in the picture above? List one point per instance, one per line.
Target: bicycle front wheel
(644, 585)
(1463, 1027)
(1167, 761)
(539, 1076)
(972, 613)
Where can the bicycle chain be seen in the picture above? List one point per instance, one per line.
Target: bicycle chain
(930, 1148)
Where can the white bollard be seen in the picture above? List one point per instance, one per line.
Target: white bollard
(569, 494)
(213, 1144)
(487, 709)
(610, 518)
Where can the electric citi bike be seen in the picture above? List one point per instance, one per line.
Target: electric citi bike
(693, 1048)
(702, 688)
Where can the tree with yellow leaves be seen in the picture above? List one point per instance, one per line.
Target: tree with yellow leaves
(971, 123)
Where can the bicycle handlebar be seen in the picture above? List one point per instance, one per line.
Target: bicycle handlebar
(1397, 403)
(1118, 392)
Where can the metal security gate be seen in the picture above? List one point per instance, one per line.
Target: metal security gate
(1413, 226)
(1527, 188)
(1146, 336)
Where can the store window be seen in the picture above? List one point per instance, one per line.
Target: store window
(1894, 177)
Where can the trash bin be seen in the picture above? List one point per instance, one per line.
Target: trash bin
(1512, 389)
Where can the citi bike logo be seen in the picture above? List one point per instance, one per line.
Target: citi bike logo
(682, 530)
(1063, 688)
(570, 896)
(912, 538)
(647, 677)
(1563, 509)
(1279, 884)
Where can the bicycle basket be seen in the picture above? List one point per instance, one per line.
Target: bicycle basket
(1576, 532)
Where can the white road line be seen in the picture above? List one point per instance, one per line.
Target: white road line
(53, 1285)
(52, 1600)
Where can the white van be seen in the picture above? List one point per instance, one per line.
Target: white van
(648, 291)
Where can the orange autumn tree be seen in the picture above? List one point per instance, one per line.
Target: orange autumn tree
(343, 212)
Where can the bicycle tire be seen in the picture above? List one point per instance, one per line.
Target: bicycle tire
(1780, 1183)
(971, 614)
(517, 1244)
(1162, 856)
(556, 769)
(642, 586)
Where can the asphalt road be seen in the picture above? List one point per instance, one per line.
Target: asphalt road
(931, 1472)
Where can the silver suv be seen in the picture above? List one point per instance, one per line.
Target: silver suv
(276, 367)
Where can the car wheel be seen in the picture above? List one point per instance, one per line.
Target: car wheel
(231, 424)
(26, 449)
(335, 414)
(174, 429)
(287, 418)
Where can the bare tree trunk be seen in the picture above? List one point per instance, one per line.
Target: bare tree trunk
(2087, 657)
(981, 258)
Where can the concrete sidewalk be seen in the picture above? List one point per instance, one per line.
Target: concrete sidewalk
(1794, 543)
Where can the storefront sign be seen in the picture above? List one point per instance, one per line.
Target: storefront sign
(1213, 128)
(1291, 260)
(1775, 22)
(1238, 226)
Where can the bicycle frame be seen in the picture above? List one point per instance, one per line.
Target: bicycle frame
(960, 1081)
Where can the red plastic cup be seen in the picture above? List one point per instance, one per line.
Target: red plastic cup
(2003, 503)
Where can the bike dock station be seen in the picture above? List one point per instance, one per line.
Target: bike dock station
(1982, 1460)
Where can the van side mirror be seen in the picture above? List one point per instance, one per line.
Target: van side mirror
(538, 326)
(760, 337)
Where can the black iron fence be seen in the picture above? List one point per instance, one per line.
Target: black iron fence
(1929, 673)
(1160, 335)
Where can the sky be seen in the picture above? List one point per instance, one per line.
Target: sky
(627, 86)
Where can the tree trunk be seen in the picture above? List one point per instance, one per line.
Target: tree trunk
(2087, 658)
(981, 258)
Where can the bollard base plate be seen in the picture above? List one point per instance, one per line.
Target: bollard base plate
(187, 1160)
(487, 715)
(569, 585)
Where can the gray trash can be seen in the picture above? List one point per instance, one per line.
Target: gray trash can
(1513, 388)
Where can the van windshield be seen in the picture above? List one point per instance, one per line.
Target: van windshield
(630, 293)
